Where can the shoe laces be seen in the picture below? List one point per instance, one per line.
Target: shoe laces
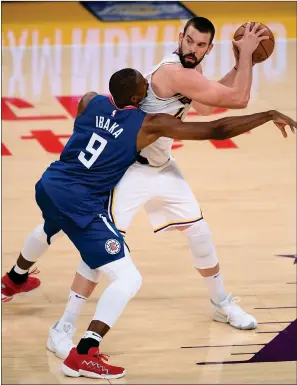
(35, 271)
(232, 307)
(102, 357)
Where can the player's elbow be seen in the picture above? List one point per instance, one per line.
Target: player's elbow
(243, 100)
(243, 103)
(240, 101)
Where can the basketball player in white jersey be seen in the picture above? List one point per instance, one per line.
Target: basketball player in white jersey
(155, 181)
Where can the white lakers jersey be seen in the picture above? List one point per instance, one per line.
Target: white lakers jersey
(178, 105)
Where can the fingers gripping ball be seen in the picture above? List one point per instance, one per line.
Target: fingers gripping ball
(264, 49)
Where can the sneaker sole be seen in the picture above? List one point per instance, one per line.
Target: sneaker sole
(222, 319)
(84, 373)
(5, 298)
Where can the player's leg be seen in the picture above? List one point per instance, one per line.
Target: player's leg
(131, 193)
(61, 332)
(18, 279)
(180, 210)
(102, 247)
(224, 308)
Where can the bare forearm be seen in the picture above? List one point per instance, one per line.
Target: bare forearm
(159, 125)
(219, 129)
(243, 78)
(236, 125)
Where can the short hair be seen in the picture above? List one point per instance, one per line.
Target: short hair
(123, 84)
(202, 24)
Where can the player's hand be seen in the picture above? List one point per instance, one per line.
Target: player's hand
(281, 121)
(251, 39)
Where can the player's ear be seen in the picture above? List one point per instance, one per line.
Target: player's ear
(180, 37)
(210, 47)
(133, 100)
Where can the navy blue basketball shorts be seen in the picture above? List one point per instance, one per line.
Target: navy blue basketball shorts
(99, 243)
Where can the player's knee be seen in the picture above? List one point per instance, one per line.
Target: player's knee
(39, 234)
(201, 245)
(137, 283)
(88, 273)
(129, 281)
(124, 275)
(35, 244)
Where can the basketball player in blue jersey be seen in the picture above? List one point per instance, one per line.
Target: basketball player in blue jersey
(175, 84)
(73, 195)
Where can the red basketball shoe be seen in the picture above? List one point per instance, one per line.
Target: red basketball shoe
(9, 288)
(90, 365)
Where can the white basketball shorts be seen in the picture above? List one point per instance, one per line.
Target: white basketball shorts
(164, 193)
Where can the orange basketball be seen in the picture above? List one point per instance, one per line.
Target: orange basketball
(264, 49)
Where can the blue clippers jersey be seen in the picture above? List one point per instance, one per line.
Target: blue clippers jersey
(99, 152)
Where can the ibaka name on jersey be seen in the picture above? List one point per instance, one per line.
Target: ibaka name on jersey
(104, 123)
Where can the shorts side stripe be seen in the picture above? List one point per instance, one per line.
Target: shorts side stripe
(111, 210)
(164, 227)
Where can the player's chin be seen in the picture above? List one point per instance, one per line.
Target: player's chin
(190, 63)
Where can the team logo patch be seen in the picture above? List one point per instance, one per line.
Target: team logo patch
(112, 246)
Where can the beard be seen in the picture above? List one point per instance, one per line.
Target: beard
(189, 64)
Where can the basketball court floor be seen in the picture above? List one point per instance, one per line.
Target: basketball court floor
(247, 190)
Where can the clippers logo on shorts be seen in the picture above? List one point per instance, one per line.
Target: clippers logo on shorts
(112, 246)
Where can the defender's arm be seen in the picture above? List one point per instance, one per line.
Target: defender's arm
(158, 125)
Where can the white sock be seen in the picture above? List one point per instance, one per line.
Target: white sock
(18, 270)
(216, 288)
(73, 308)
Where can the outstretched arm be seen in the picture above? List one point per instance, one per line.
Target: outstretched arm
(165, 125)
(229, 127)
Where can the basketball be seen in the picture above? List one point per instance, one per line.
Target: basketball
(264, 49)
